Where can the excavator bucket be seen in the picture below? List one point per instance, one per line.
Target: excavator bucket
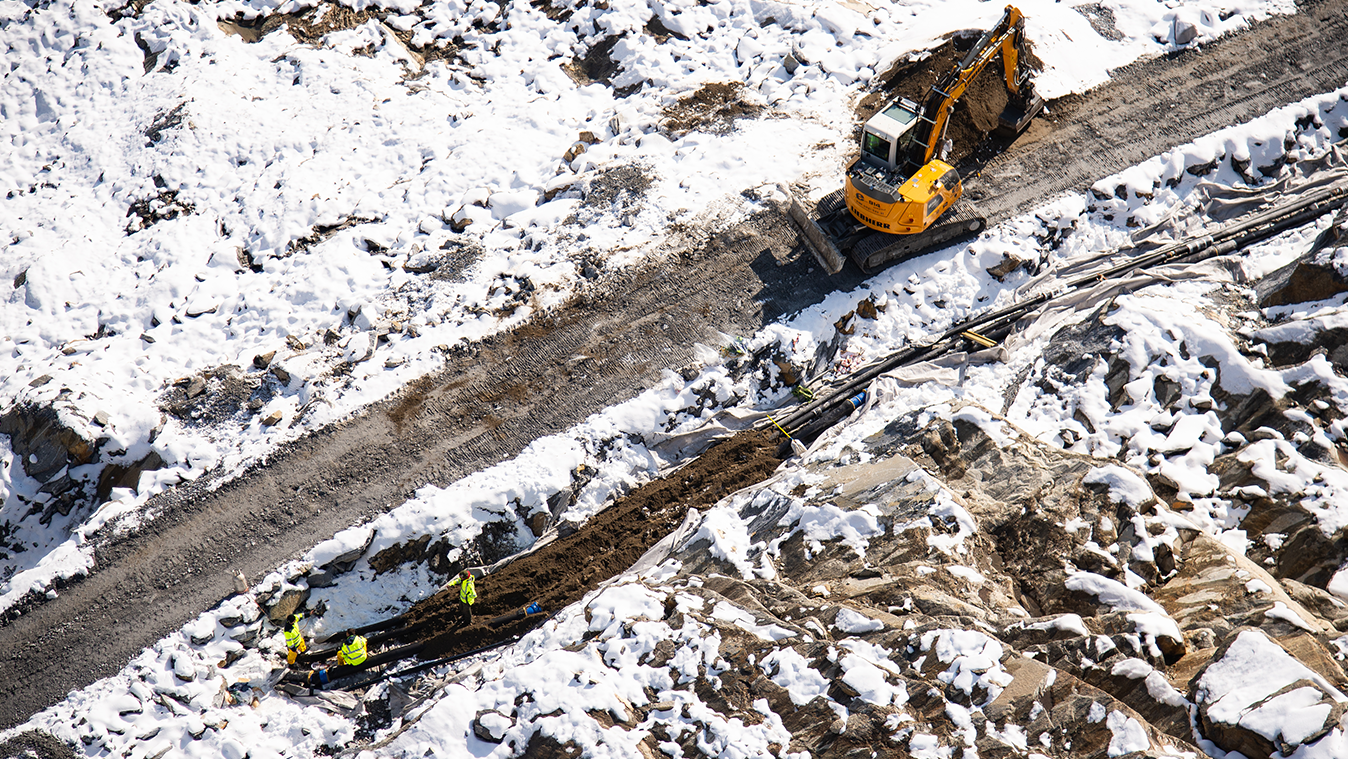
(1017, 115)
(807, 216)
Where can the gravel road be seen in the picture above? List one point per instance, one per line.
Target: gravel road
(490, 403)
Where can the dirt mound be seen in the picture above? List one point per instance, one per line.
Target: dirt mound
(559, 573)
(713, 108)
(975, 114)
(35, 744)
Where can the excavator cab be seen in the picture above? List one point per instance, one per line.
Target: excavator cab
(889, 135)
(886, 191)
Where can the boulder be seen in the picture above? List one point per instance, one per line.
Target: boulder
(1185, 32)
(285, 603)
(183, 667)
(1256, 698)
(321, 579)
(344, 561)
(1312, 277)
(491, 725)
(42, 442)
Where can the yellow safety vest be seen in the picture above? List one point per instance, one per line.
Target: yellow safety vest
(468, 591)
(353, 653)
(295, 640)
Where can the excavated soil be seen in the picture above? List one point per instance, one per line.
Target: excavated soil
(147, 584)
(561, 572)
(714, 107)
(975, 114)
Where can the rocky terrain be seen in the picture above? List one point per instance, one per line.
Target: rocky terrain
(955, 585)
(1116, 532)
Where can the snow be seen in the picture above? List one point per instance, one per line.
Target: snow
(278, 139)
(826, 521)
(293, 183)
(1280, 610)
(867, 680)
(1238, 686)
(854, 622)
(1112, 593)
(1067, 622)
(1126, 734)
(791, 671)
(1124, 486)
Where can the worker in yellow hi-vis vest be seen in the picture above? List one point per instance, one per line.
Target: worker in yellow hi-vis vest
(353, 652)
(467, 596)
(295, 644)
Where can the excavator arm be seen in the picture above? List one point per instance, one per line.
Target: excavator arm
(1007, 37)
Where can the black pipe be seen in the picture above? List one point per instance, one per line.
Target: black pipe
(320, 654)
(352, 682)
(813, 418)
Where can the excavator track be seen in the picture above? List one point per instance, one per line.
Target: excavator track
(878, 249)
(829, 230)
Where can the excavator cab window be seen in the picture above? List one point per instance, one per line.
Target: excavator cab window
(876, 145)
(949, 179)
(933, 203)
(905, 113)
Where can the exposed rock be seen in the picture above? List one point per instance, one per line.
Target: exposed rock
(1311, 277)
(399, 554)
(1008, 264)
(1247, 690)
(126, 475)
(1185, 32)
(183, 667)
(42, 442)
(285, 604)
(539, 522)
(491, 725)
(1220, 590)
(344, 561)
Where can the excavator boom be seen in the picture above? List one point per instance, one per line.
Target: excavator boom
(1006, 37)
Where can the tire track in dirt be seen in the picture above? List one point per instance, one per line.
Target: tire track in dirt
(1154, 105)
(462, 420)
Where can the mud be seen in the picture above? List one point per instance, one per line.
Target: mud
(713, 108)
(151, 583)
(976, 113)
(561, 572)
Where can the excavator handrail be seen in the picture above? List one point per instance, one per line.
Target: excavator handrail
(1005, 36)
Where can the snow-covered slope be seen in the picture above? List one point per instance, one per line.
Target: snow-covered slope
(876, 590)
(276, 222)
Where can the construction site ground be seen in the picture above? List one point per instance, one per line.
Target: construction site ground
(493, 400)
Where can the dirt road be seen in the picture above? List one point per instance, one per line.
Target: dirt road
(488, 405)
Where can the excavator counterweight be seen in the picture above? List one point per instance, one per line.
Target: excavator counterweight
(897, 195)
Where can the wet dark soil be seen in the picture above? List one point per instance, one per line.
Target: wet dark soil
(713, 108)
(975, 113)
(561, 572)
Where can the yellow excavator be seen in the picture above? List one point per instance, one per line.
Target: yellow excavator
(899, 187)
